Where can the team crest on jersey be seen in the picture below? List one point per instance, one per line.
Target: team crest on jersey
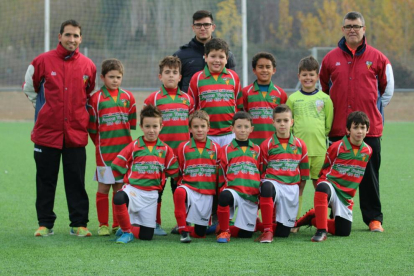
(368, 63)
(294, 149)
(184, 101)
(226, 80)
(364, 156)
(211, 154)
(160, 152)
(124, 102)
(319, 105)
(254, 153)
(85, 78)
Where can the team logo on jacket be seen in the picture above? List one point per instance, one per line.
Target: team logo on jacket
(211, 154)
(226, 80)
(124, 102)
(294, 149)
(368, 63)
(364, 156)
(85, 78)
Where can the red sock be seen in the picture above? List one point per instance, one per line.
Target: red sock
(331, 226)
(193, 233)
(115, 222)
(259, 227)
(234, 231)
(121, 212)
(102, 208)
(274, 225)
(135, 231)
(223, 215)
(321, 210)
(266, 205)
(180, 209)
(158, 213)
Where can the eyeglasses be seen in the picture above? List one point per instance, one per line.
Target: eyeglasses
(205, 25)
(355, 27)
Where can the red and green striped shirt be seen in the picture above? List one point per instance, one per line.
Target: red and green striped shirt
(287, 166)
(220, 98)
(199, 171)
(241, 169)
(110, 123)
(175, 114)
(145, 169)
(345, 169)
(261, 105)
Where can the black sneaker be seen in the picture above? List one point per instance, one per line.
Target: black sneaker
(185, 237)
(319, 236)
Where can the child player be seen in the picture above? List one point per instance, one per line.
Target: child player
(175, 107)
(216, 90)
(142, 166)
(240, 163)
(112, 113)
(262, 96)
(198, 160)
(339, 179)
(312, 111)
(285, 166)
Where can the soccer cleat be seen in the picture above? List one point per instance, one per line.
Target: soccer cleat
(306, 219)
(43, 232)
(319, 236)
(223, 237)
(115, 229)
(125, 238)
(174, 230)
(159, 231)
(185, 237)
(119, 232)
(265, 237)
(375, 226)
(80, 232)
(104, 231)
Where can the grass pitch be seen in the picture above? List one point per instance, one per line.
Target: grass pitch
(388, 253)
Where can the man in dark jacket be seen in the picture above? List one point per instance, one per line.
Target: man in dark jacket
(192, 53)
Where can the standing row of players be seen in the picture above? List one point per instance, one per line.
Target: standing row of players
(237, 155)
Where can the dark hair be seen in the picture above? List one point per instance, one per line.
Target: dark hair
(358, 118)
(202, 14)
(216, 44)
(242, 115)
(353, 15)
(265, 55)
(199, 114)
(111, 64)
(308, 63)
(71, 22)
(170, 61)
(281, 109)
(150, 111)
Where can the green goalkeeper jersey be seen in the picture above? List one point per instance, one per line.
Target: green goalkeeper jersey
(313, 115)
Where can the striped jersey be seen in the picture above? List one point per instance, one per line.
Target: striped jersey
(175, 114)
(199, 171)
(287, 166)
(241, 169)
(145, 169)
(220, 98)
(344, 169)
(261, 105)
(110, 123)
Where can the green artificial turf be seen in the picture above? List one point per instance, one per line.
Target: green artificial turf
(365, 253)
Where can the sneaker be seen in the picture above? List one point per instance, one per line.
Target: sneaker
(115, 229)
(265, 237)
(80, 232)
(185, 237)
(306, 219)
(223, 237)
(43, 232)
(104, 231)
(125, 238)
(119, 232)
(375, 226)
(320, 236)
(159, 231)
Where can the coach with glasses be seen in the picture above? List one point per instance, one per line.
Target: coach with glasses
(192, 54)
(359, 77)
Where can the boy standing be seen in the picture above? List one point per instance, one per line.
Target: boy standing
(198, 160)
(175, 107)
(262, 96)
(285, 166)
(112, 115)
(312, 111)
(342, 172)
(240, 163)
(216, 90)
(142, 165)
